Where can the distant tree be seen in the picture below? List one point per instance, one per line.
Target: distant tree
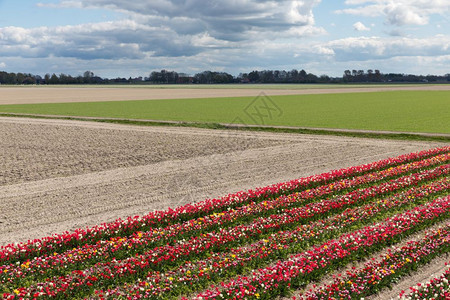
(88, 76)
(378, 77)
(311, 78)
(361, 76)
(20, 77)
(324, 79)
(47, 78)
(54, 79)
(209, 77)
(63, 79)
(370, 76)
(253, 76)
(164, 76)
(267, 76)
(302, 76)
(347, 76)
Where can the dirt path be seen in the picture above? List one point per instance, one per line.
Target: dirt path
(26, 95)
(58, 175)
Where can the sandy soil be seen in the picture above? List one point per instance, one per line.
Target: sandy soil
(59, 175)
(23, 95)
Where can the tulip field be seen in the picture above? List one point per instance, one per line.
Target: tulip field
(264, 243)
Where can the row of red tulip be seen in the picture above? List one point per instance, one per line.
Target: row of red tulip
(376, 275)
(67, 240)
(192, 275)
(60, 264)
(298, 270)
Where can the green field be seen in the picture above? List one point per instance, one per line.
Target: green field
(411, 111)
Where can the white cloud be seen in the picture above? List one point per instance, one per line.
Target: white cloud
(227, 20)
(206, 41)
(358, 26)
(107, 40)
(301, 32)
(162, 34)
(235, 36)
(369, 48)
(169, 28)
(324, 50)
(399, 12)
(2, 65)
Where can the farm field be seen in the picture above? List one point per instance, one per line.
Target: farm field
(401, 111)
(224, 150)
(60, 175)
(73, 185)
(259, 244)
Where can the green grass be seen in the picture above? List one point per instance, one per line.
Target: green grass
(410, 111)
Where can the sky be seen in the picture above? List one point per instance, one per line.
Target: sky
(122, 38)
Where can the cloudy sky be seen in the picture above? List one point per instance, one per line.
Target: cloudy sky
(132, 38)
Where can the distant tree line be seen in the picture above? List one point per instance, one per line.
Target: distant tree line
(377, 76)
(210, 77)
(276, 76)
(24, 78)
(206, 77)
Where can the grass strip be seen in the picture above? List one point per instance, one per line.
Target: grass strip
(221, 126)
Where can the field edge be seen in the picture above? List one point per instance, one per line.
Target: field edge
(370, 134)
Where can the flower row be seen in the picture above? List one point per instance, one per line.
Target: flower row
(79, 258)
(302, 268)
(437, 288)
(61, 242)
(192, 275)
(163, 257)
(376, 275)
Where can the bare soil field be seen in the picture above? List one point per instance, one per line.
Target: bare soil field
(59, 175)
(28, 95)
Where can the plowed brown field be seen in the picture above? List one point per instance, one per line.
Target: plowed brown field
(59, 175)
